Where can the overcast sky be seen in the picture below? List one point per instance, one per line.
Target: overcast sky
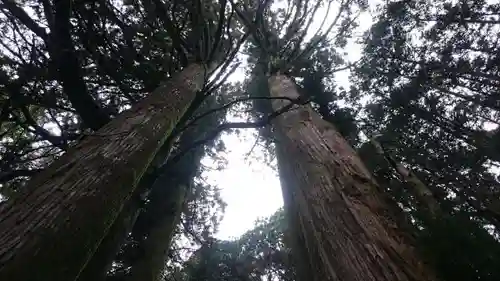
(251, 189)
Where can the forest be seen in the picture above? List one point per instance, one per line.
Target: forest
(379, 118)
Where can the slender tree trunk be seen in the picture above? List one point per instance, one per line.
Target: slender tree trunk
(52, 230)
(423, 194)
(101, 261)
(97, 267)
(164, 216)
(158, 222)
(68, 68)
(342, 228)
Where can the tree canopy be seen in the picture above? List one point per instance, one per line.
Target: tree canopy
(421, 108)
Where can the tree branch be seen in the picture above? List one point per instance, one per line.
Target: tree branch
(240, 125)
(7, 176)
(69, 70)
(24, 18)
(229, 104)
(40, 131)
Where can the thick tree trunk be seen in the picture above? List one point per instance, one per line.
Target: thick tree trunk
(51, 231)
(342, 229)
(101, 261)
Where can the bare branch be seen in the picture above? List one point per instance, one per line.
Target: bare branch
(240, 125)
(229, 104)
(7, 176)
(24, 18)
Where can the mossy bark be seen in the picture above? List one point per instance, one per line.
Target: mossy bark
(341, 227)
(51, 231)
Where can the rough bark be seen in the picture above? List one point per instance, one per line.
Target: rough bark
(100, 263)
(340, 225)
(56, 225)
(163, 183)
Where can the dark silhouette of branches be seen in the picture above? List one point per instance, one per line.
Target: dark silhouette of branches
(241, 125)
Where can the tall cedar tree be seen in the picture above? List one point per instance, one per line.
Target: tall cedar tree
(116, 54)
(341, 225)
(342, 228)
(92, 182)
(438, 229)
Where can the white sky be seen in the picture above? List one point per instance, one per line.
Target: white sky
(252, 189)
(249, 187)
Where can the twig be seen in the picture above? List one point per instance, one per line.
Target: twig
(253, 146)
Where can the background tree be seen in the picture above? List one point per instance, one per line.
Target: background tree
(258, 253)
(429, 88)
(424, 79)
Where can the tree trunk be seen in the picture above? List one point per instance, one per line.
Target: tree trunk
(423, 194)
(102, 259)
(342, 229)
(152, 257)
(69, 70)
(97, 267)
(55, 227)
(158, 222)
